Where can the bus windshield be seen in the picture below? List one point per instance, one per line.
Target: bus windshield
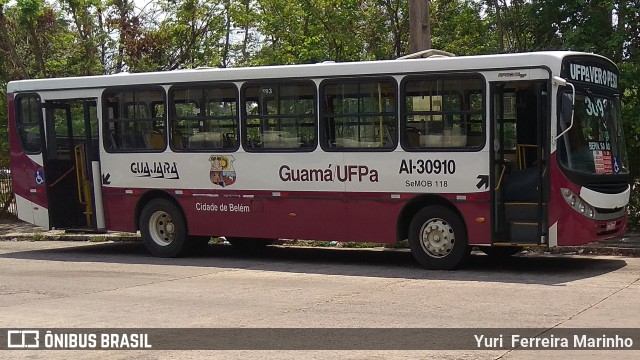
(595, 143)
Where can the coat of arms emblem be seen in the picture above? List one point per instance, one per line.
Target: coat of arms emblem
(222, 172)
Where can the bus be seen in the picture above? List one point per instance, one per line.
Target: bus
(446, 153)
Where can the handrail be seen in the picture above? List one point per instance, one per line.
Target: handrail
(504, 167)
(84, 185)
(522, 154)
(79, 157)
(62, 177)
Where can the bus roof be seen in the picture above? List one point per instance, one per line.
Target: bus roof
(550, 59)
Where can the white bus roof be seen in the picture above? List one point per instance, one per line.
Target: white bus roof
(550, 59)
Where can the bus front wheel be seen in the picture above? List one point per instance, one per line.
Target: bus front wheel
(163, 229)
(438, 238)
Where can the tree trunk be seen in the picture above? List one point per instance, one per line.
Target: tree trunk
(37, 50)
(500, 26)
(122, 23)
(225, 53)
(620, 29)
(419, 25)
(245, 39)
(103, 46)
(426, 24)
(7, 203)
(6, 39)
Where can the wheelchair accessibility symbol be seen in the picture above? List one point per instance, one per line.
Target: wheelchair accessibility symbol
(39, 176)
(616, 165)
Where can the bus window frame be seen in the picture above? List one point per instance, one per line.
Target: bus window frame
(442, 76)
(361, 79)
(19, 124)
(170, 112)
(278, 82)
(106, 120)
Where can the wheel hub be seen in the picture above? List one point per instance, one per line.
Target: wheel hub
(437, 238)
(161, 228)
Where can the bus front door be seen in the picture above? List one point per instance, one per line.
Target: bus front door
(71, 147)
(520, 187)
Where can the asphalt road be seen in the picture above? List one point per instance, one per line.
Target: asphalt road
(117, 285)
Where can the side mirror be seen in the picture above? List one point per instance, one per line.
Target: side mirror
(567, 108)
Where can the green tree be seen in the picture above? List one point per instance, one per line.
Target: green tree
(303, 31)
(87, 36)
(192, 33)
(458, 27)
(386, 28)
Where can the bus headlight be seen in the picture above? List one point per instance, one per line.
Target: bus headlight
(578, 204)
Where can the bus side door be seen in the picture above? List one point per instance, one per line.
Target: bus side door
(71, 148)
(519, 134)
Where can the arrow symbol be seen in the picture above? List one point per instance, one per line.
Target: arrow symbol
(105, 179)
(484, 181)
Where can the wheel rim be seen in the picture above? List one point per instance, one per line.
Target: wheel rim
(161, 228)
(437, 238)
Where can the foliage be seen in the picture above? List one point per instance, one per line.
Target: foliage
(457, 26)
(309, 32)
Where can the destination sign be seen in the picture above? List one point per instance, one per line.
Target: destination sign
(589, 71)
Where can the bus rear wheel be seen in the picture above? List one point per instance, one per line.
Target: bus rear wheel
(438, 238)
(163, 229)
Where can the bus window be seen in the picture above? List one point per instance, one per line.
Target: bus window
(28, 123)
(134, 120)
(359, 114)
(204, 117)
(442, 113)
(279, 116)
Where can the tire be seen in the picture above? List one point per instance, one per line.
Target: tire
(500, 252)
(163, 229)
(438, 238)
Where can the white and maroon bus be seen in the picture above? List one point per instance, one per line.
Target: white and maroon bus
(496, 151)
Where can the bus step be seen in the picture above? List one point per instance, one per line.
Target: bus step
(518, 211)
(524, 232)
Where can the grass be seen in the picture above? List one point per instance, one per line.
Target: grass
(38, 237)
(348, 244)
(96, 239)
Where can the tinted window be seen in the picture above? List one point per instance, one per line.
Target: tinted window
(442, 113)
(204, 117)
(359, 114)
(134, 120)
(28, 114)
(279, 116)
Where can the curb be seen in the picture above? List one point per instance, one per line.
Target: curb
(593, 250)
(61, 236)
(67, 237)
